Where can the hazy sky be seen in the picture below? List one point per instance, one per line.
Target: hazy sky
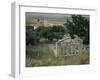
(51, 17)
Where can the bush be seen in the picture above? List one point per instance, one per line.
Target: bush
(32, 37)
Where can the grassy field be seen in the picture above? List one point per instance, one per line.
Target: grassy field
(42, 55)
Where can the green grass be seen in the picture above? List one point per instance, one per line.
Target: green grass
(42, 55)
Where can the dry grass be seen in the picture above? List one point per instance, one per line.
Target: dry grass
(42, 55)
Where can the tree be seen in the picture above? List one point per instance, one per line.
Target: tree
(78, 25)
(32, 37)
(47, 33)
(58, 28)
(58, 31)
(51, 32)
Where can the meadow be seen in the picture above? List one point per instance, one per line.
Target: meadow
(42, 55)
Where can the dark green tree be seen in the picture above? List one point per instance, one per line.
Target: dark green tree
(58, 31)
(32, 37)
(47, 33)
(78, 25)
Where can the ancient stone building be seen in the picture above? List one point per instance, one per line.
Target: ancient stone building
(68, 46)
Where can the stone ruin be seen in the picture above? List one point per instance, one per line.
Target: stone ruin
(68, 46)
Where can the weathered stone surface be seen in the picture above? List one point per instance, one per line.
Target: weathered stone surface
(68, 46)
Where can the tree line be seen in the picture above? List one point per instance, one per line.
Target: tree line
(50, 33)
